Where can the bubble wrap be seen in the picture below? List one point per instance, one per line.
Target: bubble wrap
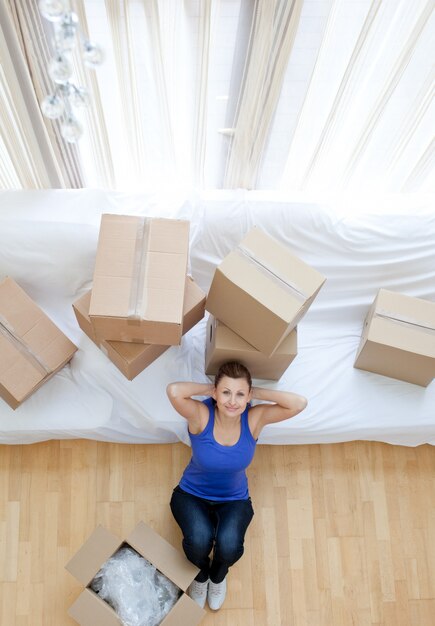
(140, 594)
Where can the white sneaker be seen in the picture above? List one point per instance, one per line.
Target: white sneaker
(198, 592)
(216, 594)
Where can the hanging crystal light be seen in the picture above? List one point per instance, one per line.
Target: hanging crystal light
(66, 95)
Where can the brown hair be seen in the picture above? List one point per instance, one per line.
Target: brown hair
(233, 369)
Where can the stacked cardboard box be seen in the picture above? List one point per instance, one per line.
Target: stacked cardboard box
(141, 301)
(132, 358)
(222, 344)
(89, 610)
(32, 348)
(398, 338)
(260, 291)
(139, 279)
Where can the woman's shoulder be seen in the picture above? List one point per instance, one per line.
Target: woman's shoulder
(253, 419)
(205, 414)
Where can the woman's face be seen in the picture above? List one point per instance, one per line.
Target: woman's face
(232, 396)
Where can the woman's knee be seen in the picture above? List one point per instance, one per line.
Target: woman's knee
(200, 542)
(230, 537)
(229, 547)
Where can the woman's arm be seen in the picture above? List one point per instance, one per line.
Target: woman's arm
(285, 405)
(180, 395)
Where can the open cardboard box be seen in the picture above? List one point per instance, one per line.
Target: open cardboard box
(90, 610)
(222, 345)
(398, 338)
(32, 347)
(139, 279)
(261, 291)
(133, 358)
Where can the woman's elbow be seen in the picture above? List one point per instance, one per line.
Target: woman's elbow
(171, 390)
(301, 404)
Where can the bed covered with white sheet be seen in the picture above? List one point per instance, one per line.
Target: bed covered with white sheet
(48, 242)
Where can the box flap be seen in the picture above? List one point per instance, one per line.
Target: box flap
(90, 610)
(81, 311)
(404, 322)
(82, 304)
(32, 346)
(406, 308)
(167, 559)
(226, 339)
(265, 251)
(18, 374)
(100, 546)
(194, 295)
(414, 339)
(186, 611)
(275, 295)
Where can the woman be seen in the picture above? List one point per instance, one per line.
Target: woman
(211, 504)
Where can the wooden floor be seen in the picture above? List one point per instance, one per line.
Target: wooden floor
(344, 534)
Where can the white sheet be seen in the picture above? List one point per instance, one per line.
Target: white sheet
(47, 243)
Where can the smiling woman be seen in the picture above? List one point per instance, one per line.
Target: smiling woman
(211, 503)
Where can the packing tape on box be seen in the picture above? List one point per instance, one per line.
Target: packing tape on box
(137, 303)
(8, 331)
(404, 320)
(281, 281)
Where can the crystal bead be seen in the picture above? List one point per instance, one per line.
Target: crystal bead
(66, 30)
(52, 107)
(71, 130)
(60, 69)
(52, 10)
(79, 97)
(92, 55)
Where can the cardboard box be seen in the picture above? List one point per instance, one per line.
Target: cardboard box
(222, 344)
(261, 291)
(32, 347)
(398, 338)
(139, 279)
(133, 358)
(90, 610)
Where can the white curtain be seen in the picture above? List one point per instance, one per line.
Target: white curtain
(296, 95)
(159, 106)
(306, 96)
(33, 154)
(273, 31)
(367, 115)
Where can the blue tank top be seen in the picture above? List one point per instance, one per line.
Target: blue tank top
(217, 472)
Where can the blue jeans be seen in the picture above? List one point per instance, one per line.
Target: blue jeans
(210, 525)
